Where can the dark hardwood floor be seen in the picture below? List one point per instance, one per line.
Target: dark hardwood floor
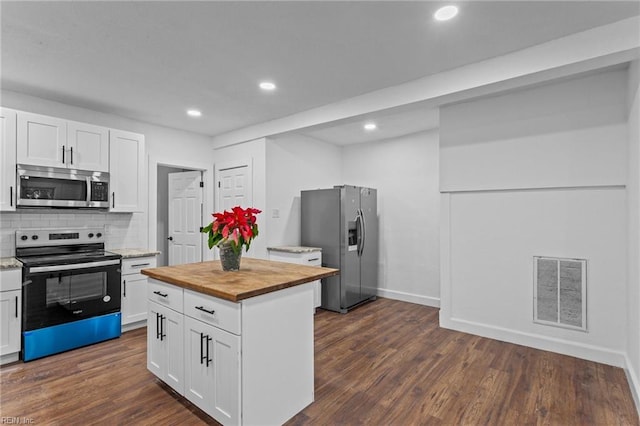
(385, 363)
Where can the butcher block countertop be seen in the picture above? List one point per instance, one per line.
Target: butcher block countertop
(254, 278)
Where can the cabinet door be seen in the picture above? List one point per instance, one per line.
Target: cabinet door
(88, 147)
(127, 171)
(225, 351)
(134, 298)
(156, 347)
(198, 380)
(173, 330)
(42, 140)
(8, 158)
(10, 314)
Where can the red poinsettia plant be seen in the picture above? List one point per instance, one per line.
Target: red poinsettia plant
(236, 227)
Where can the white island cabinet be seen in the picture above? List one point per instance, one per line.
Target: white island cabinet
(247, 337)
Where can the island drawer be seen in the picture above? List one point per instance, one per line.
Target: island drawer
(165, 294)
(212, 310)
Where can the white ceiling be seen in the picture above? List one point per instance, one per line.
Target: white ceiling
(150, 61)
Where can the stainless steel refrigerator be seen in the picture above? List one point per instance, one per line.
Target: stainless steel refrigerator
(343, 222)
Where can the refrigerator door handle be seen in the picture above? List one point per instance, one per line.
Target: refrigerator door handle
(364, 231)
(358, 232)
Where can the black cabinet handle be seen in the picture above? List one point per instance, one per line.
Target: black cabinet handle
(208, 359)
(157, 325)
(16, 306)
(201, 308)
(162, 335)
(159, 293)
(71, 155)
(202, 357)
(124, 289)
(170, 238)
(11, 196)
(113, 200)
(62, 154)
(313, 260)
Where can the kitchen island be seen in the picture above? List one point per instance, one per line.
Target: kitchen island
(239, 345)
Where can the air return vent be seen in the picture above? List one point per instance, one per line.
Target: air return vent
(560, 292)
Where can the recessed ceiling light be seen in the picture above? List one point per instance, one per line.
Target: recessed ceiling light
(445, 13)
(267, 85)
(194, 113)
(370, 126)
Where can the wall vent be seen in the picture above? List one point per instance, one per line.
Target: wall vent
(560, 292)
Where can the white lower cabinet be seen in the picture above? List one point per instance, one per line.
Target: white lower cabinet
(10, 314)
(165, 351)
(134, 291)
(310, 256)
(212, 376)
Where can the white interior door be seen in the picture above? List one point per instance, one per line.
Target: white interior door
(234, 187)
(185, 217)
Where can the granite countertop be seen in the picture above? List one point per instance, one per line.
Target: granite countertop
(127, 253)
(294, 249)
(254, 278)
(10, 263)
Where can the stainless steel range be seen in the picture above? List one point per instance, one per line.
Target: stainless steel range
(70, 290)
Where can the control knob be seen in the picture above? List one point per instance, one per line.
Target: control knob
(24, 238)
(90, 235)
(99, 234)
(34, 237)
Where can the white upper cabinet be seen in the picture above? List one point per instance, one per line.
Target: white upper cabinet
(42, 141)
(54, 142)
(89, 146)
(127, 171)
(8, 153)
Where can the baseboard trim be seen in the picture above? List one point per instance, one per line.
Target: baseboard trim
(578, 350)
(634, 382)
(408, 297)
(134, 325)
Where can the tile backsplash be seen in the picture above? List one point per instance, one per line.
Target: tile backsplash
(123, 230)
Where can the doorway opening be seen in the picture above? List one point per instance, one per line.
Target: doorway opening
(179, 215)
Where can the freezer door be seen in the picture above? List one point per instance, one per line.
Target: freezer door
(321, 228)
(350, 237)
(369, 250)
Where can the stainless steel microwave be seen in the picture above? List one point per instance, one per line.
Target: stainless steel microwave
(56, 187)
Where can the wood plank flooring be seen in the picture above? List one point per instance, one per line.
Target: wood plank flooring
(385, 363)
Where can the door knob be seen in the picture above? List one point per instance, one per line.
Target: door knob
(170, 238)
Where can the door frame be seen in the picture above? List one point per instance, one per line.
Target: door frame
(207, 197)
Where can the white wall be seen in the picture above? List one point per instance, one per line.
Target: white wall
(405, 173)
(633, 223)
(125, 230)
(253, 152)
(536, 172)
(296, 163)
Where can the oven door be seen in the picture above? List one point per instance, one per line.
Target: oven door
(59, 294)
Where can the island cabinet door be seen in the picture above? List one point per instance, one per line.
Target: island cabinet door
(165, 353)
(225, 348)
(198, 380)
(156, 347)
(212, 376)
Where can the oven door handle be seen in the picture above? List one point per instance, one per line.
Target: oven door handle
(56, 268)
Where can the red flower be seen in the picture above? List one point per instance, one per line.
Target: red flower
(237, 226)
